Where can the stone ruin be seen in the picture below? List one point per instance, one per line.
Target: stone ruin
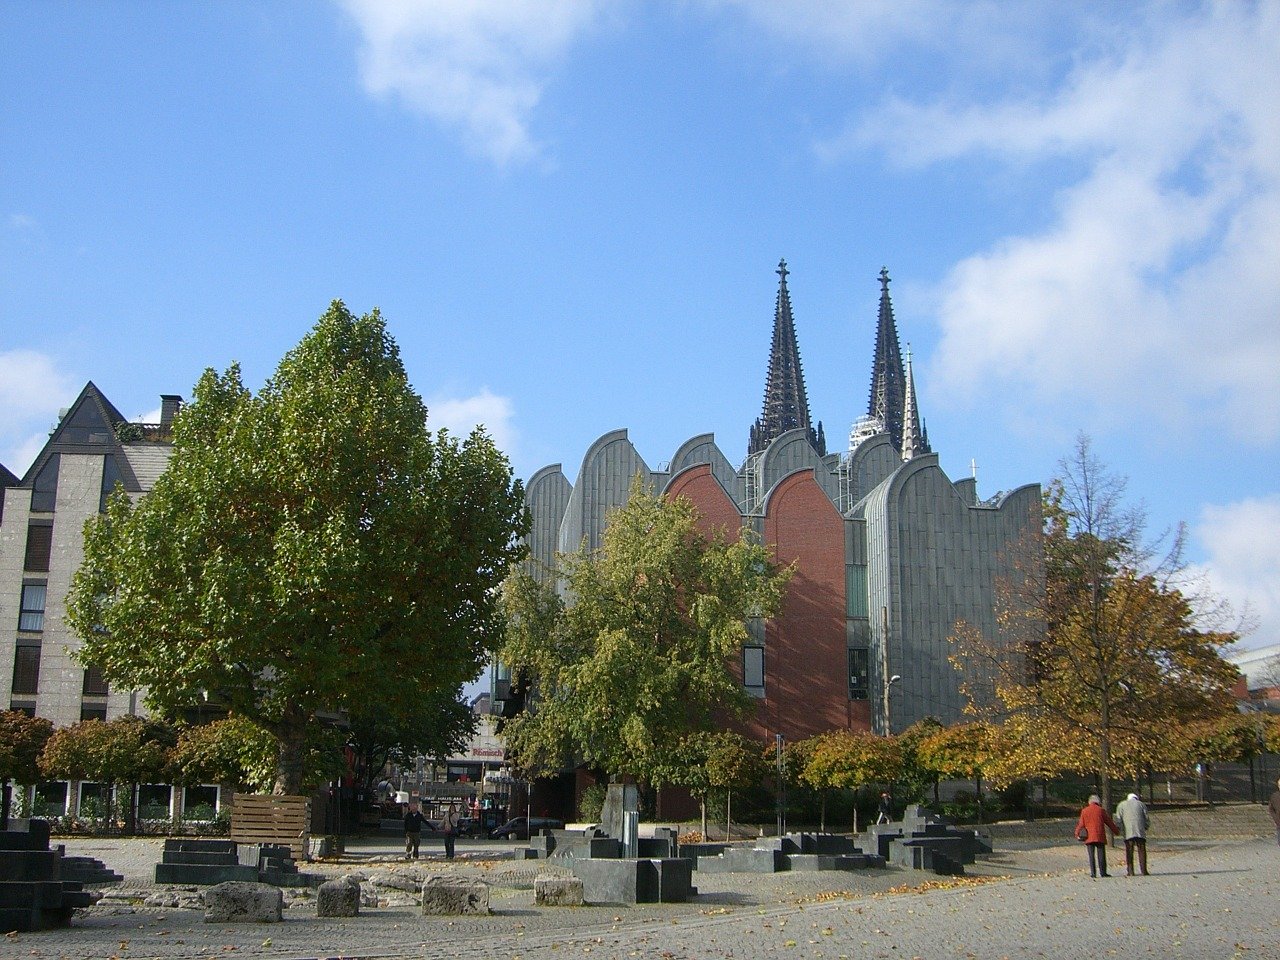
(36, 889)
(923, 840)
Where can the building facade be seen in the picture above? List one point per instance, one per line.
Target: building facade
(889, 552)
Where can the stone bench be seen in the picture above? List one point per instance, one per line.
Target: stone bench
(552, 891)
(452, 896)
(239, 902)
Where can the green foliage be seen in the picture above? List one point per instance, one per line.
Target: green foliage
(641, 658)
(125, 750)
(311, 548)
(440, 728)
(848, 759)
(591, 804)
(233, 751)
(21, 740)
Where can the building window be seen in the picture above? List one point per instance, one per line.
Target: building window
(855, 591)
(44, 492)
(753, 670)
(89, 711)
(26, 670)
(110, 479)
(95, 684)
(26, 711)
(31, 615)
(859, 673)
(39, 546)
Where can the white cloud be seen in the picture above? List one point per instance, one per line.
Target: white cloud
(1153, 291)
(476, 66)
(1242, 544)
(461, 415)
(32, 390)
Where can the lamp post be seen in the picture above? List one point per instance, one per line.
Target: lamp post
(888, 687)
(781, 785)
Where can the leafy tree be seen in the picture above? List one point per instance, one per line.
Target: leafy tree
(1101, 645)
(126, 751)
(231, 751)
(641, 657)
(916, 776)
(440, 728)
(311, 548)
(962, 750)
(721, 762)
(850, 759)
(21, 740)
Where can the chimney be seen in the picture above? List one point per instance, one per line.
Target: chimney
(169, 406)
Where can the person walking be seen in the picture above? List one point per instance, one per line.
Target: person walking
(1274, 809)
(413, 823)
(1132, 817)
(449, 828)
(886, 808)
(1092, 828)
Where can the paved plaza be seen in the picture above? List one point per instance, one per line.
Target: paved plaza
(1212, 898)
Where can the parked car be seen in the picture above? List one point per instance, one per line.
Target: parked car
(518, 829)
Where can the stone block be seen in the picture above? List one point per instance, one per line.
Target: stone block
(694, 851)
(240, 902)
(453, 896)
(552, 891)
(739, 860)
(629, 881)
(339, 898)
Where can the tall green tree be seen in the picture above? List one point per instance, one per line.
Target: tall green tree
(21, 740)
(1106, 650)
(314, 547)
(441, 727)
(640, 658)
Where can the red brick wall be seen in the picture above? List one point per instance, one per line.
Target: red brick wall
(806, 683)
(806, 668)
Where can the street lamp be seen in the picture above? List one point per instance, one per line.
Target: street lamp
(780, 783)
(888, 686)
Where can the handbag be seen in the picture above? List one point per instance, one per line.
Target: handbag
(1082, 833)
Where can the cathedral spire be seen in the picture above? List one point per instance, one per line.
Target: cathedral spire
(914, 442)
(786, 404)
(887, 393)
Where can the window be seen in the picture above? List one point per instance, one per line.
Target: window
(753, 670)
(44, 492)
(26, 670)
(95, 684)
(110, 478)
(89, 712)
(31, 616)
(859, 673)
(855, 591)
(39, 546)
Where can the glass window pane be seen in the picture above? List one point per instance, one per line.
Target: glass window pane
(31, 617)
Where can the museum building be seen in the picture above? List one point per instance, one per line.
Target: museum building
(889, 552)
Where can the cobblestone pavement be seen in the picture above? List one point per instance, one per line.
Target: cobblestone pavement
(1216, 899)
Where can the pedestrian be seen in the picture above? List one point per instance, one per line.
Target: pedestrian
(1274, 808)
(1092, 828)
(413, 823)
(449, 828)
(1131, 815)
(886, 808)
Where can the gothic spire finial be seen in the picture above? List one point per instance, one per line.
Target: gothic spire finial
(912, 440)
(887, 378)
(786, 402)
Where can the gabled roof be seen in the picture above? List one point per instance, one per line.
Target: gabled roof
(88, 427)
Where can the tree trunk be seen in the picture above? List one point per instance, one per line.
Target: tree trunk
(824, 811)
(292, 733)
(702, 802)
(6, 800)
(728, 816)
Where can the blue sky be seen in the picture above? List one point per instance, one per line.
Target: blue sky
(570, 213)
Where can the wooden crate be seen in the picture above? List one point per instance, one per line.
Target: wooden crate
(260, 818)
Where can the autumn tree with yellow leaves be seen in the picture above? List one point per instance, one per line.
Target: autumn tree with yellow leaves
(1106, 657)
